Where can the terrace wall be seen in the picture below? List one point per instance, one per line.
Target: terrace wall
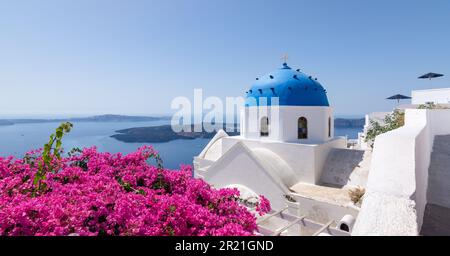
(399, 175)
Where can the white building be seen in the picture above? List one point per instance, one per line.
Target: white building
(287, 152)
(287, 139)
(437, 96)
(372, 117)
(408, 188)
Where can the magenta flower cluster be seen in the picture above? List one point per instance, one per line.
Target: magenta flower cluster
(95, 193)
(263, 206)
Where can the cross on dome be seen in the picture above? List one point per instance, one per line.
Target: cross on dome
(284, 57)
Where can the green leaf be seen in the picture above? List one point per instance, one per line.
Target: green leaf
(45, 165)
(58, 144)
(59, 134)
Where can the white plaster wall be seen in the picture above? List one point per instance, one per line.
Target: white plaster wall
(274, 163)
(386, 215)
(346, 167)
(321, 154)
(300, 157)
(317, 124)
(239, 167)
(286, 128)
(392, 175)
(423, 147)
(437, 123)
(393, 162)
(306, 160)
(214, 152)
(399, 172)
(438, 96)
(321, 211)
(440, 122)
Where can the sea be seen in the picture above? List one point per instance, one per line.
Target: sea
(18, 139)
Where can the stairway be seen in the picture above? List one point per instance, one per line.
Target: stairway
(436, 220)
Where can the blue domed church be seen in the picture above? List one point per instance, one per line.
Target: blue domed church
(286, 137)
(289, 106)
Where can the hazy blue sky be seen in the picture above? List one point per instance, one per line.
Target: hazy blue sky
(133, 57)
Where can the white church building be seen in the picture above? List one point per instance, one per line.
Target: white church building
(287, 152)
(287, 134)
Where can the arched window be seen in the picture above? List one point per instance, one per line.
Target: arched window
(329, 127)
(302, 128)
(264, 129)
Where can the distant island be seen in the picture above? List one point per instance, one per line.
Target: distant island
(100, 118)
(156, 134)
(164, 133)
(5, 122)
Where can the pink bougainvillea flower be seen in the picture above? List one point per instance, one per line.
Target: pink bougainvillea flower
(96, 193)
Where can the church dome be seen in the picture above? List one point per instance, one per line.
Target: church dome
(293, 88)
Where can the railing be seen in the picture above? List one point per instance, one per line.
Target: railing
(327, 225)
(296, 220)
(278, 233)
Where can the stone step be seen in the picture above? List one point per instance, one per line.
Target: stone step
(441, 144)
(436, 220)
(438, 191)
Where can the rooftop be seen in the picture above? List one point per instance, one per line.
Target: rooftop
(291, 87)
